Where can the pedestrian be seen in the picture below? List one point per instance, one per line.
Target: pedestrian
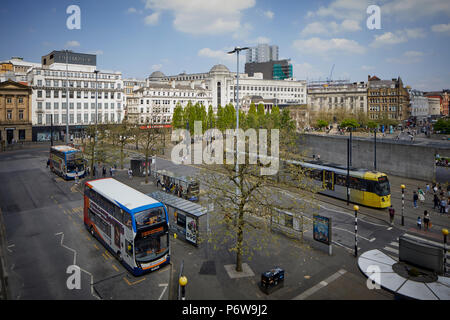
(104, 171)
(419, 223)
(415, 198)
(130, 173)
(435, 201)
(94, 172)
(435, 188)
(48, 162)
(318, 157)
(111, 171)
(426, 219)
(443, 205)
(421, 195)
(427, 188)
(391, 214)
(88, 170)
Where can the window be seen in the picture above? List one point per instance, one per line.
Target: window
(39, 118)
(9, 114)
(71, 117)
(48, 119)
(56, 119)
(56, 94)
(86, 118)
(48, 93)
(71, 106)
(48, 106)
(71, 94)
(39, 94)
(64, 118)
(39, 105)
(20, 114)
(86, 105)
(79, 118)
(20, 100)
(21, 134)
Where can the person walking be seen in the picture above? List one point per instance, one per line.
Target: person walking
(419, 223)
(436, 201)
(435, 188)
(415, 198)
(443, 205)
(94, 172)
(111, 171)
(427, 188)
(391, 214)
(421, 195)
(103, 171)
(426, 220)
(130, 173)
(48, 162)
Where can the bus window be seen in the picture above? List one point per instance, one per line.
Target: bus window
(127, 220)
(149, 217)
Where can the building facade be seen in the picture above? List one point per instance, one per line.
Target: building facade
(15, 112)
(86, 87)
(271, 70)
(337, 95)
(434, 107)
(155, 103)
(262, 53)
(387, 99)
(443, 97)
(419, 106)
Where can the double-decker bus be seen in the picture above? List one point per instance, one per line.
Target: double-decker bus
(130, 224)
(67, 162)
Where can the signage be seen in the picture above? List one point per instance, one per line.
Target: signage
(191, 230)
(322, 229)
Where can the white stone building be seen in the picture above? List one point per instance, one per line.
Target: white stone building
(434, 109)
(419, 105)
(337, 95)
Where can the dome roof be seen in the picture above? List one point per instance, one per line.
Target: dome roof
(157, 74)
(219, 68)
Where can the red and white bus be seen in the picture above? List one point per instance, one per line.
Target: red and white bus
(130, 224)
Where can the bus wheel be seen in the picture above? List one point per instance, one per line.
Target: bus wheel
(119, 256)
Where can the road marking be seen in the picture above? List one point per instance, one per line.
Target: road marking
(352, 233)
(390, 228)
(164, 290)
(88, 238)
(115, 268)
(96, 247)
(10, 246)
(391, 250)
(395, 244)
(108, 255)
(104, 256)
(133, 283)
(372, 240)
(320, 285)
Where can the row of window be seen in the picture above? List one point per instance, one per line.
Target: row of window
(90, 75)
(9, 100)
(174, 94)
(78, 84)
(48, 105)
(81, 118)
(384, 108)
(251, 88)
(9, 114)
(105, 95)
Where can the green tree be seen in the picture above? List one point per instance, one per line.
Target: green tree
(177, 119)
(349, 123)
(275, 117)
(211, 119)
(261, 115)
(321, 124)
(252, 117)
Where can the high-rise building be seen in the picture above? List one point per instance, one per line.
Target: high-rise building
(262, 53)
(271, 70)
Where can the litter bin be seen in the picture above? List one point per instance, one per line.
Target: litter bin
(272, 280)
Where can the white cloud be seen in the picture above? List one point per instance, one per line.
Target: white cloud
(71, 44)
(445, 28)
(243, 32)
(269, 14)
(414, 9)
(152, 19)
(157, 67)
(400, 36)
(331, 27)
(209, 17)
(367, 68)
(218, 55)
(326, 47)
(260, 40)
(131, 10)
(305, 71)
(408, 57)
(343, 9)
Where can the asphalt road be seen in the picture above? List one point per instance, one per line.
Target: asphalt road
(45, 235)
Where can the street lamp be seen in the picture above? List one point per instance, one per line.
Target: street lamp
(375, 149)
(183, 282)
(67, 96)
(445, 233)
(237, 50)
(356, 208)
(403, 203)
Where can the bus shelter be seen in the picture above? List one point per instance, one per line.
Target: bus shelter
(186, 218)
(171, 182)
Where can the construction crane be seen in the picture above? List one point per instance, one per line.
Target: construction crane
(329, 78)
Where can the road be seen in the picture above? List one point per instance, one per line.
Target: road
(45, 235)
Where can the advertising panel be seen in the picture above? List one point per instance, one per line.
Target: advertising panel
(322, 229)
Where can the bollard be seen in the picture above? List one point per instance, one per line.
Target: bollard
(445, 233)
(356, 208)
(183, 282)
(403, 203)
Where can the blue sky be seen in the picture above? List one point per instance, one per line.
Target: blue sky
(138, 37)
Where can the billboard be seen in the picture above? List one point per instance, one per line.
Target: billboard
(322, 229)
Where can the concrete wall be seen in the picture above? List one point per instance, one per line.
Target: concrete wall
(393, 157)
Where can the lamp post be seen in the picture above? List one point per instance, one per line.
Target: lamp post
(445, 233)
(183, 282)
(348, 171)
(375, 149)
(67, 96)
(403, 203)
(356, 208)
(237, 50)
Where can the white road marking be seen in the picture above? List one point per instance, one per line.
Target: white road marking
(352, 233)
(164, 290)
(395, 244)
(10, 246)
(390, 228)
(320, 285)
(391, 250)
(372, 240)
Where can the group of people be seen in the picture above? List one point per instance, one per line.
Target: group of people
(171, 188)
(104, 170)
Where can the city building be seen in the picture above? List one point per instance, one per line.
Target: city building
(387, 99)
(49, 102)
(222, 84)
(419, 106)
(15, 112)
(262, 53)
(271, 70)
(16, 69)
(443, 97)
(156, 101)
(333, 96)
(434, 110)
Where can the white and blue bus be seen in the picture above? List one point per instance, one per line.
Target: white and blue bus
(67, 162)
(130, 224)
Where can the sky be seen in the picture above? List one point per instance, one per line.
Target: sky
(138, 37)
